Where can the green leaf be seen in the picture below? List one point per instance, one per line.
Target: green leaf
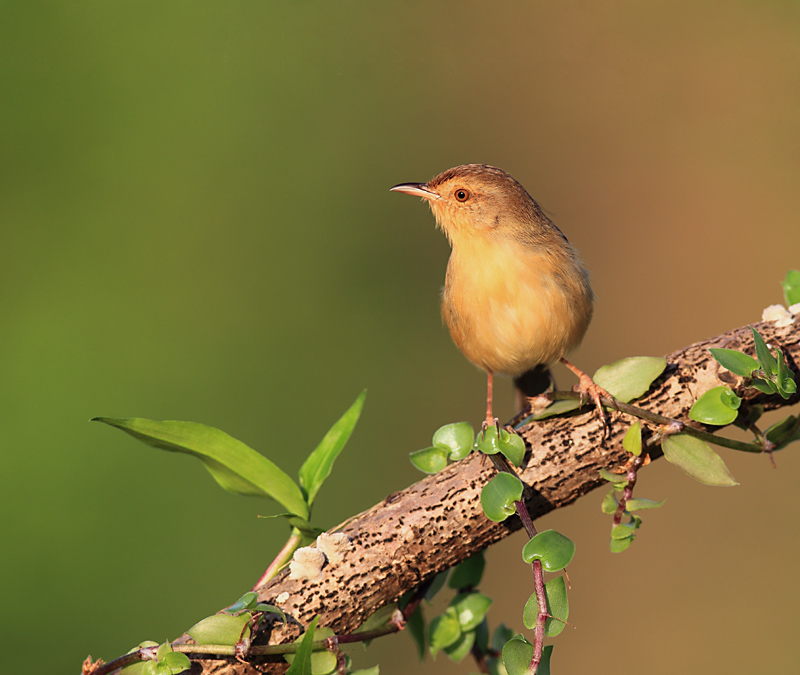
(642, 504)
(378, 619)
(375, 670)
(765, 357)
(457, 651)
(487, 441)
(235, 466)
(467, 574)
(552, 548)
(512, 446)
(443, 631)
(737, 362)
(456, 438)
(437, 585)
(619, 480)
(429, 460)
(791, 287)
(177, 662)
(718, 406)
(517, 655)
(470, 609)
(220, 629)
(610, 503)
(415, 627)
(697, 459)
(322, 661)
(301, 659)
(318, 464)
(619, 545)
(500, 636)
(784, 432)
(630, 378)
(558, 408)
(764, 386)
(555, 592)
(784, 378)
(498, 496)
(633, 439)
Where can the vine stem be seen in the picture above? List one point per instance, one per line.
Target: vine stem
(501, 464)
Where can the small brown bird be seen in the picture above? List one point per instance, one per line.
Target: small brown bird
(516, 295)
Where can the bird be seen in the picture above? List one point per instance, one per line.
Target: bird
(516, 296)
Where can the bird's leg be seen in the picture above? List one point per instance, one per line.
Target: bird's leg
(587, 388)
(490, 420)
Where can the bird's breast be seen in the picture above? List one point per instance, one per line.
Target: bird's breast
(510, 308)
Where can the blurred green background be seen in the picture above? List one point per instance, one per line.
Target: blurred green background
(197, 225)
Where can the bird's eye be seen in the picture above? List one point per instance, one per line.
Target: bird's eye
(461, 195)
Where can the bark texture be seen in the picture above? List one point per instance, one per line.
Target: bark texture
(438, 522)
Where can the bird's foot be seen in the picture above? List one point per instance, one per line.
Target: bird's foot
(490, 422)
(588, 389)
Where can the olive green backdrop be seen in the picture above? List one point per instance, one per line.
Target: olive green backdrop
(196, 224)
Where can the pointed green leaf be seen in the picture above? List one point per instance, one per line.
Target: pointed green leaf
(557, 408)
(429, 460)
(177, 662)
(498, 496)
(791, 287)
(630, 378)
(764, 386)
(555, 592)
(784, 432)
(633, 439)
(415, 627)
(517, 655)
(457, 438)
(220, 629)
(322, 661)
(470, 609)
(718, 406)
(697, 459)
(552, 548)
(642, 504)
(467, 574)
(765, 357)
(235, 466)
(619, 480)
(737, 362)
(443, 631)
(319, 463)
(301, 659)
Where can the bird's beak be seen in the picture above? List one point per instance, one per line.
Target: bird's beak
(415, 189)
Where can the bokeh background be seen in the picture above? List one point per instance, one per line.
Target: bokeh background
(196, 224)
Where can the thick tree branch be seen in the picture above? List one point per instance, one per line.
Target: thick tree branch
(438, 522)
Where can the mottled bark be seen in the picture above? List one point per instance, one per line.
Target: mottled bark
(438, 522)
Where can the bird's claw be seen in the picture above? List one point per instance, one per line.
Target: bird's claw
(490, 422)
(588, 389)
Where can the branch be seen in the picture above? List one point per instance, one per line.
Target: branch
(438, 522)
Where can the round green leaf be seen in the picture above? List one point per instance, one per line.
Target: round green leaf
(552, 548)
(177, 662)
(498, 496)
(457, 438)
(697, 459)
(630, 378)
(462, 647)
(487, 441)
(512, 446)
(791, 287)
(619, 545)
(443, 631)
(517, 655)
(468, 573)
(220, 629)
(471, 608)
(610, 503)
(717, 406)
(429, 460)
